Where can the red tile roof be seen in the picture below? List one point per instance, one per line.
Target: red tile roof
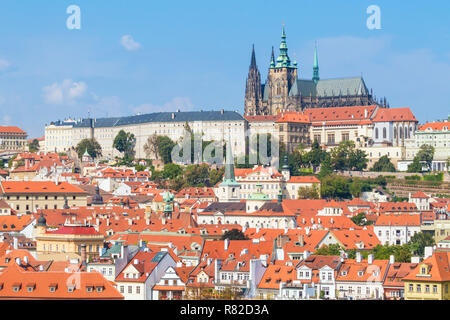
(435, 126)
(394, 114)
(41, 187)
(42, 281)
(5, 129)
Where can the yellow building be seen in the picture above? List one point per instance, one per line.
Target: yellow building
(430, 280)
(12, 139)
(29, 196)
(72, 241)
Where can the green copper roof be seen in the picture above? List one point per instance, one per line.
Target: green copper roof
(316, 77)
(283, 60)
(86, 153)
(229, 179)
(259, 195)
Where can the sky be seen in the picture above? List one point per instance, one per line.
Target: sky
(132, 57)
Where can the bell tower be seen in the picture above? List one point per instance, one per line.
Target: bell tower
(281, 78)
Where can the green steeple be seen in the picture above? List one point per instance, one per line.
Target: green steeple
(272, 60)
(229, 178)
(283, 60)
(316, 66)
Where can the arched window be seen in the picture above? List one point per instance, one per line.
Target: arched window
(395, 133)
(400, 133)
(406, 133)
(384, 133)
(376, 133)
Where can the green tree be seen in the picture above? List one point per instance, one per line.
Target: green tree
(333, 249)
(171, 171)
(383, 164)
(334, 186)
(91, 145)
(196, 175)
(325, 168)
(234, 234)
(124, 142)
(34, 146)
(177, 183)
(215, 175)
(308, 193)
(361, 220)
(316, 156)
(340, 156)
(426, 154)
(165, 146)
(419, 241)
(415, 166)
(357, 160)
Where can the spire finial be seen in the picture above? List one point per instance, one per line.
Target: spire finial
(253, 59)
(316, 77)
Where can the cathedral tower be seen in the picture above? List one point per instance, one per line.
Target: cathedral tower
(282, 76)
(253, 94)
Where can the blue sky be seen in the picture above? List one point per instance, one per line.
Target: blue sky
(147, 56)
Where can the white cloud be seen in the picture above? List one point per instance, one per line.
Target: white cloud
(181, 103)
(106, 107)
(65, 92)
(4, 64)
(416, 78)
(128, 43)
(6, 120)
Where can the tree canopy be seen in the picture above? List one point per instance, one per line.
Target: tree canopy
(91, 145)
(234, 234)
(383, 164)
(125, 142)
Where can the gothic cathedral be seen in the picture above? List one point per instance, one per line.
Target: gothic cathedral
(284, 91)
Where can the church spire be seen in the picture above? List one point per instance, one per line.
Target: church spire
(253, 92)
(316, 77)
(283, 59)
(272, 60)
(253, 59)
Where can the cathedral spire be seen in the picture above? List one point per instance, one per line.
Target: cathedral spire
(283, 59)
(316, 77)
(253, 92)
(272, 60)
(253, 59)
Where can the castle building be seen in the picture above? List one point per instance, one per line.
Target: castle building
(284, 91)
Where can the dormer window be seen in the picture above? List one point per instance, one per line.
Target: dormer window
(52, 287)
(16, 287)
(360, 273)
(70, 288)
(89, 288)
(99, 288)
(30, 287)
(343, 273)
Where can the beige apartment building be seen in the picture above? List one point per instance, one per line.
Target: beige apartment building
(12, 139)
(29, 196)
(212, 125)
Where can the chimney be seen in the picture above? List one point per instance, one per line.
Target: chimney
(358, 257)
(16, 243)
(301, 240)
(415, 259)
(428, 252)
(83, 253)
(285, 230)
(136, 261)
(391, 259)
(306, 254)
(18, 261)
(147, 221)
(370, 259)
(226, 243)
(179, 264)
